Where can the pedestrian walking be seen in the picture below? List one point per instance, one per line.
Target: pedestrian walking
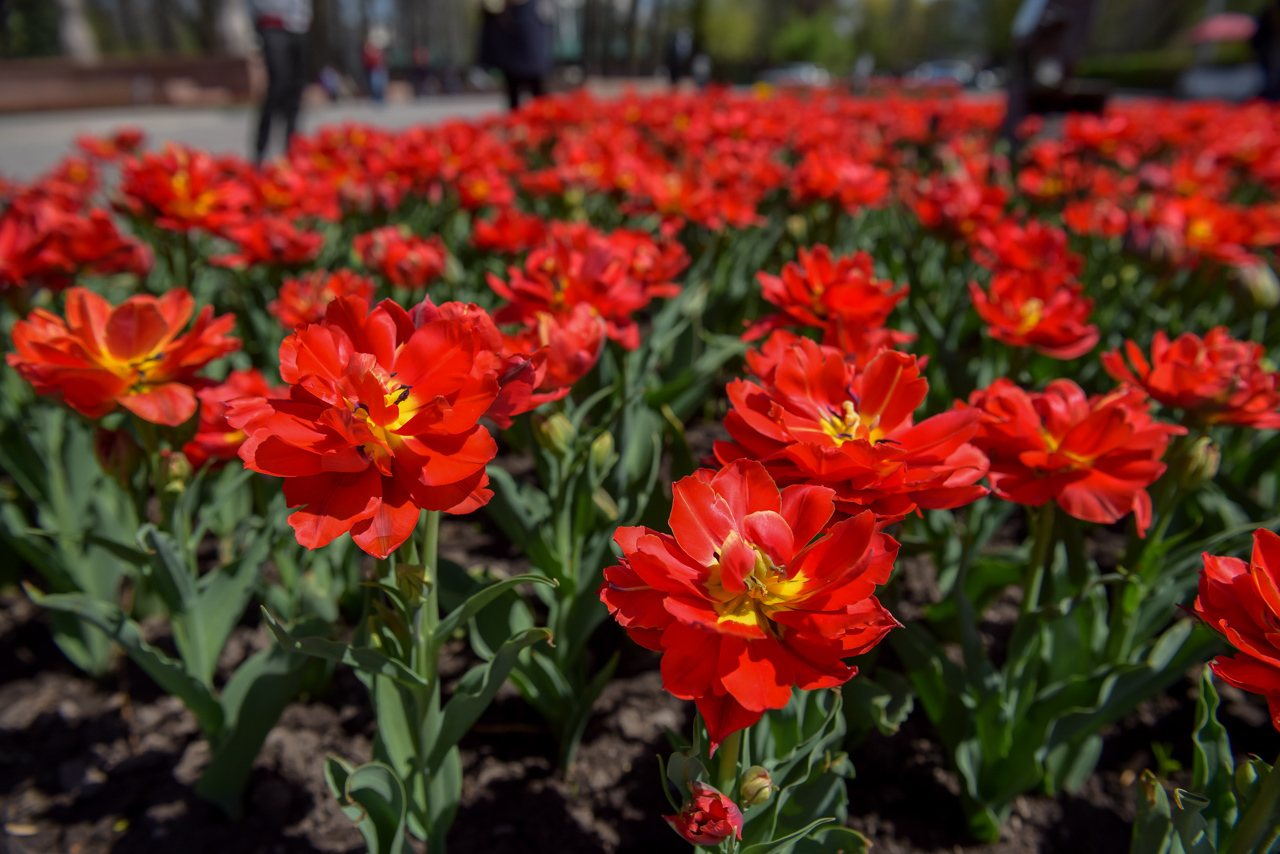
(515, 38)
(375, 65)
(282, 26)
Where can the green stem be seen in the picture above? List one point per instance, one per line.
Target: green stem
(1263, 817)
(426, 657)
(727, 770)
(1041, 549)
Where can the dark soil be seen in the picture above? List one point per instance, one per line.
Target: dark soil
(89, 767)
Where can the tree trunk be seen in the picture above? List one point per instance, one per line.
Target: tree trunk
(166, 26)
(74, 32)
(206, 27)
(657, 36)
(633, 37)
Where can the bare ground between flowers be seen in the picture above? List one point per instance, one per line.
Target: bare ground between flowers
(89, 767)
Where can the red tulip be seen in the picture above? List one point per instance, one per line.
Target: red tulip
(509, 231)
(403, 259)
(707, 818)
(44, 243)
(563, 349)
(828, 173)
(1242, 601)
(1098, 216)
(215, 439)
(132, 355)
(818, 418)
(1216, 380)
(581, 266)
(381, 421)
(517, 373)
(1095, 456)
(269, 240)
(303, 300)
(1030, 247)
(1027, 310)
(182, 189)
(842, 297)
(745, 600)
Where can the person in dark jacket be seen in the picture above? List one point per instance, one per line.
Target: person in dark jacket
(515, 38)
(282, 25)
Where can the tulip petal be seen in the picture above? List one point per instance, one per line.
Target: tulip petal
(170, 404)
(333, 503)
(724, 716)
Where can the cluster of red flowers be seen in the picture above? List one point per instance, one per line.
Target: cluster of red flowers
(50, 232)
(767, 579)
(842, 297)
(615, 275)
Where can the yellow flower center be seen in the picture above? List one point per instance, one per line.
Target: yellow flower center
(1032, 312)
(396, 397)
(768, 590)
(847, 425)
(1200, 230)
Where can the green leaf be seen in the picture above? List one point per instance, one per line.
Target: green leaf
(224, 595)
(252, 701)
(362, 658)
(784, 842)
(1213, 769)
(167, 673)
(474, 693)
(883, 703)
(478, 601)
(835, 840)
(173, 576)
(373, 797)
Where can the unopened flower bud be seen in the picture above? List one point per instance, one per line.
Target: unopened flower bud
(1261, 283)
(798, 226)
(756, 787)
(177, 471)
(1199, 464)
(555, 433)
(117, 453)
(602, 452)
(707, 818)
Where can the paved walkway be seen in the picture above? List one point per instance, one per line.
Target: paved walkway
(32, 142)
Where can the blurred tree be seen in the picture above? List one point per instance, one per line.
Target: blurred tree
(730, 28)
(32, 28)
(166, 25)
(813, 38)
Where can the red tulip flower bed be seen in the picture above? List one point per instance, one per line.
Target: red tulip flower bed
(893, 485)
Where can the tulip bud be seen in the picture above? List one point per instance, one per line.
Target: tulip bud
(177, 471)
(707, 818)
(554, 433)
(1198, 465)
(756, 787)
(602, 452)
(1261, 283)
(117, 453)
(798, 226)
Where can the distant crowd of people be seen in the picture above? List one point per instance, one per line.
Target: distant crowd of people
(515, 39)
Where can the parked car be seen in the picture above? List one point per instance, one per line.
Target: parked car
(797, 74)
(942, 71)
